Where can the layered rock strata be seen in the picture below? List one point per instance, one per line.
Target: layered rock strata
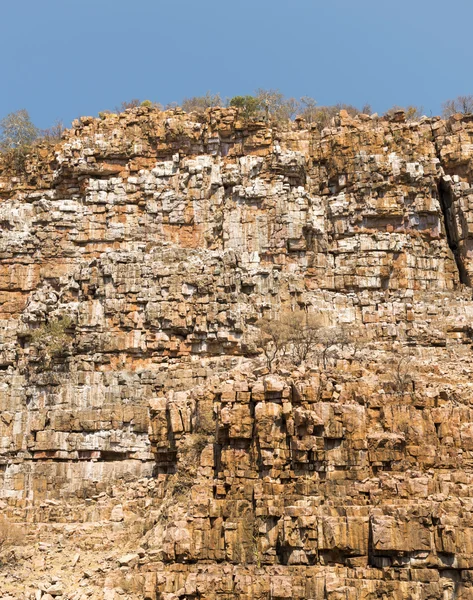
(136, 411)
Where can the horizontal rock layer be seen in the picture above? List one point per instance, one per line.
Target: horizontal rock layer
(136, 260)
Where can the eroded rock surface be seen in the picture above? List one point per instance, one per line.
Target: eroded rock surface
(145, 449)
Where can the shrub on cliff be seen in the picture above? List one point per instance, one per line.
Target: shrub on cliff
(53, 339)
(19, 136)
(275, 339)
(53, 134)
(322, 116)
(297, 337)
(308, 109)
(126, 104)
(271, 104)
(135, 103)
(248, 106)
(401, 372)
(413, 113)
(461, 104)
(150, 104)
(276, 106)
(200, 103)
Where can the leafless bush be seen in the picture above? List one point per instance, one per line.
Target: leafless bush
(322, 116)
(127, 104)
(412, 113)
(298, 336)
(275, 338)
(270, 104)
(357, 340)
(461, 104)
(308, 109)
(304, 334)
(275, 105)
(328, 338)
(199, 104)
(54, 133)
(399, 372)
(402, 374)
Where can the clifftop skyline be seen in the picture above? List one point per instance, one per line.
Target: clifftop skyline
(337, 52)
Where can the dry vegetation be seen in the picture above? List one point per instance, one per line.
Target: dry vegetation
(18, 134)
(54, 338)
(19, 137)
(297, 337)
(461, 104)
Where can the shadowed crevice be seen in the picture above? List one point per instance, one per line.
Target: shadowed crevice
(451, 229)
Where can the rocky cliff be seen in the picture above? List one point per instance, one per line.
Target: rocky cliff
(146, 451)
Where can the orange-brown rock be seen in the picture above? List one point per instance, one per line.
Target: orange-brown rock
(146, 450)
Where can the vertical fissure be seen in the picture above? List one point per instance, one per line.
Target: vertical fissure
(446, 200)
(451, 230)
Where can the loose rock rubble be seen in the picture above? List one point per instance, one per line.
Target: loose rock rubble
(146, 451)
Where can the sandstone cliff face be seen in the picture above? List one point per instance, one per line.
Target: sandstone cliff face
(136, 412)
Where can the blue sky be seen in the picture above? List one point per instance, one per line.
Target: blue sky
(65, 58)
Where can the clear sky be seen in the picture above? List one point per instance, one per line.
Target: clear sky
(65, 58)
